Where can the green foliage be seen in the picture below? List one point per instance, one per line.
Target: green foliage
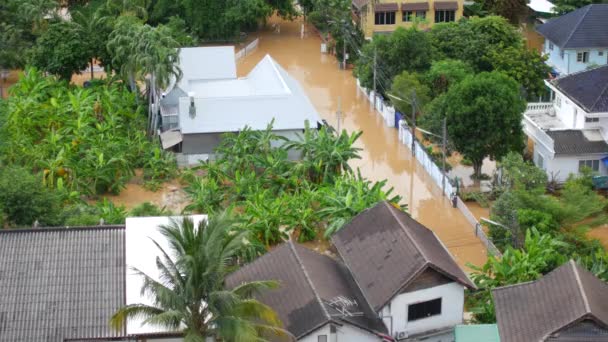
(476, 108)
(519, 174)
(404, 85)
(85, 140)
(191, 296)
(277, 197)
(471, 40)
(540, 255)
(110, 213)
(24, 200)
(446, 73)
(61, 50)
(565, 6)
(159, 167)
(513, 10)
(524, 65)
(403, 50)
(149, 209)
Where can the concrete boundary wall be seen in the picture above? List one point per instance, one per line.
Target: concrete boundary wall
(247, 50)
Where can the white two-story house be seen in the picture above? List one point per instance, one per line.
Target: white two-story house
(577, 40)
(571, 132)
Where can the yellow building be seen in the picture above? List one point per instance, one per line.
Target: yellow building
(384, 16)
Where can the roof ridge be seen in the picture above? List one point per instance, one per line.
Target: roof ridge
(577, 25)
(580, 286)
(602, 93)
(515, 285)
(62, 228)
(308, 280)
(414, 242)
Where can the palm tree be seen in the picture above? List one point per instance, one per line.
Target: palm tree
(191, 298)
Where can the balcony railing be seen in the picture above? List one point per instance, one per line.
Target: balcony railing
(537, 107)
(537, 134)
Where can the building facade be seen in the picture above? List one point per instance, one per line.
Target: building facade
(577, 40)
(384, 16)
(571, 132)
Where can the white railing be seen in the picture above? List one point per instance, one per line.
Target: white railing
(387, 112)
(537, 134)
(478, 228)
(247, 50)
(539, 107)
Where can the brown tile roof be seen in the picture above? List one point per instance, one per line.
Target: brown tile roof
(445, 5)
(415, 6)
(385, 250)
(309, 283)
(386, 7)
(536, 311)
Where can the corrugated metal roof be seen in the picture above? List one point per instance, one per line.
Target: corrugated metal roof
(267, 93)
(585, 27)
(309, 283)
(385, 250)
(60, 283)
(538, 310)
(588, 89)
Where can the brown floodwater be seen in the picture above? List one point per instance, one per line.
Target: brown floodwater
(600, 233)
(383, 156)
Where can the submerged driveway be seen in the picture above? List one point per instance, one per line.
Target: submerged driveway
(382, 157)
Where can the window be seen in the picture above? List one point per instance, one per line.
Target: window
(421, 14)
(424, 310)
(561, 54)
(322, 338)
(592, 164)
(592, 119)
(444, 16)
(600, 53)
(582, 57)
(385, 18)
(407, 16)
(551, 46)
(558, 102)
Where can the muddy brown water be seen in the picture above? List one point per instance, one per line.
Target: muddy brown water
(382, 157)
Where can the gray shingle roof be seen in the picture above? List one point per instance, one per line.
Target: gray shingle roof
(536, 311)
(309, 281)
(385, 250)
(574, 142)
(584, 28)
(588, 89)
(60, 283)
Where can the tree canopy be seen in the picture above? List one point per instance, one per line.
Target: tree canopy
(484, 114)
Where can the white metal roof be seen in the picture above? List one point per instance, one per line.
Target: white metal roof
(268, 92)
(541, 6)
(206, 64)
(141, 253)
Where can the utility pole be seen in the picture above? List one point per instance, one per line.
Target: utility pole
(375, 57)
(443, 147)
(339, 113)
(413, 122)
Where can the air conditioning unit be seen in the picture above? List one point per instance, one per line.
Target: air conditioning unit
(400, 335)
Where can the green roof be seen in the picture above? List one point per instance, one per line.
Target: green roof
(477, 333)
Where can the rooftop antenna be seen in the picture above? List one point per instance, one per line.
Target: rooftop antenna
(192, 109)
(343, 306)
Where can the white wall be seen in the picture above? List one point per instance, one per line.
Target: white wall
(452, 306)
(563, 166)
(568, 64)
(344, 333)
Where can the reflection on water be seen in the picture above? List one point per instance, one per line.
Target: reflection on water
(383, 157)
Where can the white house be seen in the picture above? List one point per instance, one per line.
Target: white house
(570, 132)
(209, 100)
(577, 40)
(405, 273)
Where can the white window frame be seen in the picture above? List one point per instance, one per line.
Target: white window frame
(591, 120)
(550, 45)
(582, 57)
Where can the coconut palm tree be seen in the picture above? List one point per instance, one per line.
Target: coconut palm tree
(190, 296)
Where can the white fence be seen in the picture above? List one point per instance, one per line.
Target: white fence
(247, 50)
(387, 112)
(442, 181)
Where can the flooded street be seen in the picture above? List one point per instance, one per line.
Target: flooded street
(383, 157)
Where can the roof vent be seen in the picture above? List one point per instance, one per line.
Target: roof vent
(192, 109)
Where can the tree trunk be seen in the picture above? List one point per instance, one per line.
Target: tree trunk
(92, 74)
(477, 168)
